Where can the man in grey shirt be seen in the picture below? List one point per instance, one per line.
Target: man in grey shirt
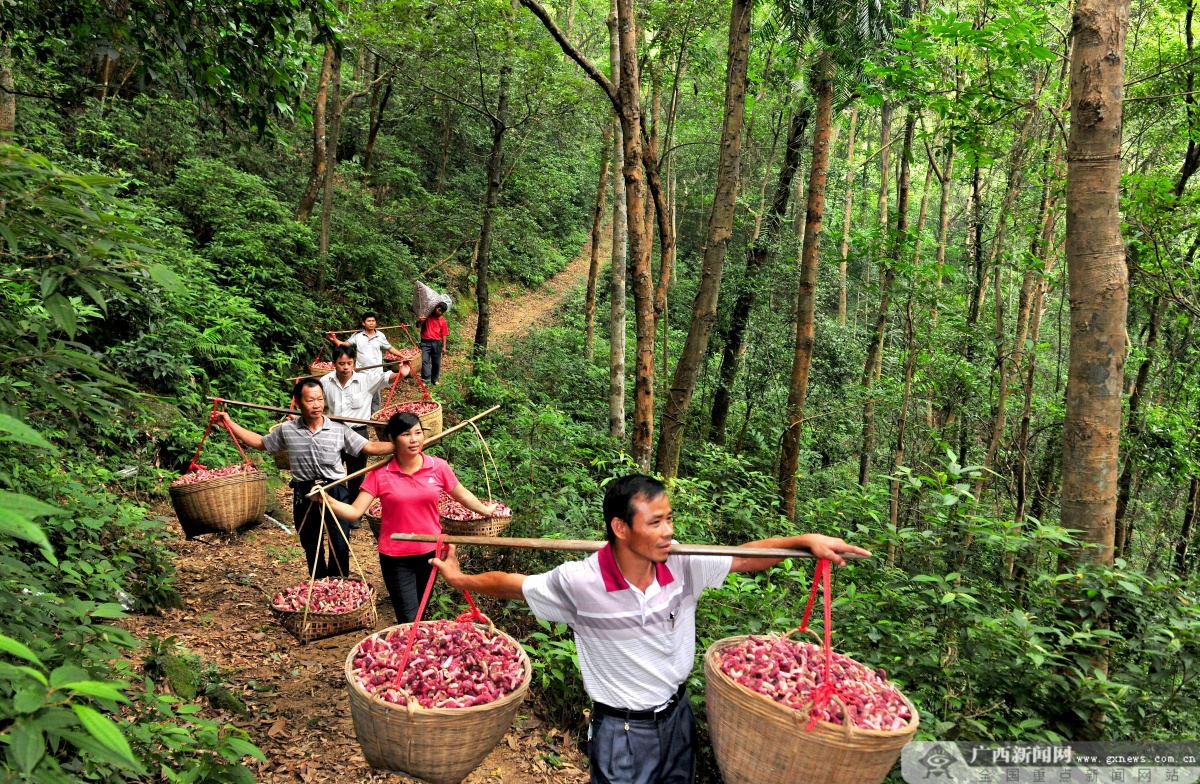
(314, 444)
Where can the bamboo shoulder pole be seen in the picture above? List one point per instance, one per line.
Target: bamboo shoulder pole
(352, 331)
(589, 546)
(356, 369)
(428, 443)
(294, 412)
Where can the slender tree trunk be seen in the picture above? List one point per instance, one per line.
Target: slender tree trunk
(617, 328)
(376, 124)
(1189, 521)
(885, 166)
(910, 362)
(720, 229)
(8, 100)
(639, 237)
(490, 203)
(922, 215)
(1125, 483)
(759, 253)
(843, 265)
(335, 120)
(316, 175)
(806, 298)
(875, 350)
(589, 307)
(1099, 285)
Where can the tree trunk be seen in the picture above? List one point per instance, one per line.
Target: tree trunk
(490, 202)
(316, 174)
(8, 99)
(875, 350)
(806, 298)
(376, 123)
(720, 229)
(944, 177)
(335, 87)
(843, 264)
(639, 237)
(1099, 285)
(589, 307)
(1189, 521)
(759, 253)
(885, 157)
(910, 362)
(616, 345)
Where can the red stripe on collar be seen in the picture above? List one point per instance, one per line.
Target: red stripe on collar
(615, 581)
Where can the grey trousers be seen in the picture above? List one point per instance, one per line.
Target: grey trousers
(643, 752)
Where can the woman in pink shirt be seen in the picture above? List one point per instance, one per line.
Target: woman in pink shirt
(408, 487)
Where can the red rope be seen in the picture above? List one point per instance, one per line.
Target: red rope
(827, 688)
(218, 406)
(392, 390)
(472, 614)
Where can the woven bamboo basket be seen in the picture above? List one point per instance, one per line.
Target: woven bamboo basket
(220, 505)
(486, 526)
(432, 422)
(413, 355)
(375, 520)
(437, 745)
(282, 461)
(315, 626)
(759, 741)
(317, 372)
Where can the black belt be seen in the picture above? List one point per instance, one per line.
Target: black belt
(643, 715)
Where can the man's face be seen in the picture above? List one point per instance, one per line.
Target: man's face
(369, 323)
(344, 367)
(312, 403)
(652, 529)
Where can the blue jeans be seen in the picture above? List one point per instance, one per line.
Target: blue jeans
(643, 752)
(431, 361)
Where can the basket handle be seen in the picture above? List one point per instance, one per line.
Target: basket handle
(218, 406)
(827, 690)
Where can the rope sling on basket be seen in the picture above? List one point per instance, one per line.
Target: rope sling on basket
(431, 420)
(218, 500)
(441, 744)
(772, 739)
(307, 625)
(477, 526)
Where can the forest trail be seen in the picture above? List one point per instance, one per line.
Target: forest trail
(515, 311)
(296, 697)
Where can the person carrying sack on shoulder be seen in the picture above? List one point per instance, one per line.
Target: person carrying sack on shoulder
(632, 606)
(369, 346)
(434, 331)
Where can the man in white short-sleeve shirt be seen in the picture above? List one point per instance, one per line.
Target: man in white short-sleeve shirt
(633, 611)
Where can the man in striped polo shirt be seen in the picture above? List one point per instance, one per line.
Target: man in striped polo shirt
(633, 611)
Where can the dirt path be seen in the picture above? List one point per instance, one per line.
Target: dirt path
(298, 711)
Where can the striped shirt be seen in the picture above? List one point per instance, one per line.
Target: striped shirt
(369, 350)
(354, 399)
(635, 648)
(315, 456)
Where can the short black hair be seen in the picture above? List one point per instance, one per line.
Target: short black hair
(619, 498)
(344, 351)
(399, 423)
(298, 390)
(367, 315)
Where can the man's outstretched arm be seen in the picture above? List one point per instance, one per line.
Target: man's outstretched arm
(502, 585)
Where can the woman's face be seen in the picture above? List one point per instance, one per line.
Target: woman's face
(408, 444)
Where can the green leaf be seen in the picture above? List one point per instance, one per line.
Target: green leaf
(26, 747)
(20, 527)
(109, 610)
(98, 689)
(29, 700)
(19, 649)
(165, 277)
(104, 730)
(29, 507)
(12, 429)
(67, 673)
(62, 311)
(245, 749)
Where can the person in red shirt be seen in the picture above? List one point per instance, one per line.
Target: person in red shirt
(408, 487)
(434, 331)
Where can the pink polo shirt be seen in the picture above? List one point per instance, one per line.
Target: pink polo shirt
(409, 502)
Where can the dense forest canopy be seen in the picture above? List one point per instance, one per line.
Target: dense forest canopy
(918, 275)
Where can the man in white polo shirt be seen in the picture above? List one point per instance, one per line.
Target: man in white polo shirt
(633, 611)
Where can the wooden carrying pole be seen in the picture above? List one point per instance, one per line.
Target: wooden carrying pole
(588, 546)
(295, 412)
(428, 443)
(352, 331)
(364, 367)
